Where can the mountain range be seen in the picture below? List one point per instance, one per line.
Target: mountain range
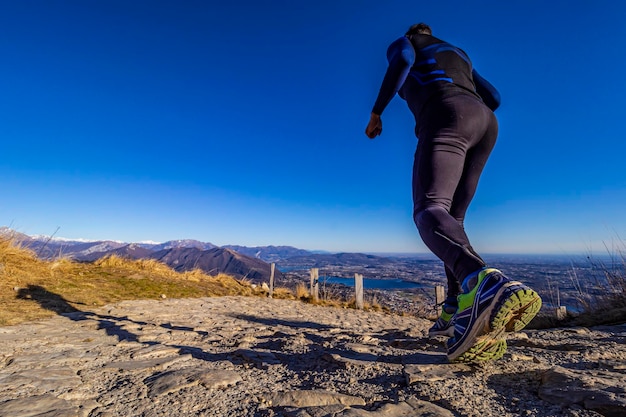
(180, 255)
(252, 263)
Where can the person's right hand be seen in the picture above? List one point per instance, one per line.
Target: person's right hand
(374, 127)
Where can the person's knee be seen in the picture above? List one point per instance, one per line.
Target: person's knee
(426, 217)
(418, 217)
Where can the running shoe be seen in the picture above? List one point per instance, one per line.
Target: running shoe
(444, 326)
(490, 305)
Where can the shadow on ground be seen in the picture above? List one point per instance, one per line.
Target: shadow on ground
(112, 325)
(46, 299)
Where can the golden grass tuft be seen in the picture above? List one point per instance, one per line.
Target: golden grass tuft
(302, 293)
(330, 298)
(283, 294)
(31, 288)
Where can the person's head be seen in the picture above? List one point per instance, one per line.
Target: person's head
(419, 29)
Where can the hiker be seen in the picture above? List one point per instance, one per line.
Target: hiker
(456, 129)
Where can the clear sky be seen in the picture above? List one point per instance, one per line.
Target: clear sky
(242, 122)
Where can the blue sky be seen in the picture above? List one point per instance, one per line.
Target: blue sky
(242, 122)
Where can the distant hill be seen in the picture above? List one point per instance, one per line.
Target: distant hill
(182, 243)
(130, 251)
(269, 253)
(214, 261)
(50, 248)
(343, 259)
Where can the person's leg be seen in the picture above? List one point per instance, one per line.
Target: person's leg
(447, 167)
(441, 176)
(443, 324)
(489, 303)
(475, 161)
(448, 163)
(454, 287)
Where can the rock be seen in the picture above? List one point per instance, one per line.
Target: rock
(157, 363)
(410, 408)
(326, 411)
(247, 341)
(612, 365)
(46, 379)
(355, 360)
(600, 391)
(257, 357)
(517, 336)
(431, 373)
(172, 381)
(520, 357)
(577, 330)
(311, 398)
(364, 349)
(154, 351)
(219, 379)
(46, 405)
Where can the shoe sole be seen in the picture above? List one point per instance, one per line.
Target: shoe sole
(485, 349)
(515, 307)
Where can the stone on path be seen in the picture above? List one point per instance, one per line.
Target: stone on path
(156, 363)
(172, 381)
(600, 391)
(258, 357)
(47, 379)
(38, 406)
(311, 398)
(155, 351)
(431, 373)
(356, 360)
(410, 408)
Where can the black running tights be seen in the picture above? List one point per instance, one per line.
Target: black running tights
(455, 137)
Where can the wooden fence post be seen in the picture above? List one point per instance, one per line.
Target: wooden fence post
(358, 287)
(272, 269)
(440, 294)
(315, 283)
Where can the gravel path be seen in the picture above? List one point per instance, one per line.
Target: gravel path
(246, 356)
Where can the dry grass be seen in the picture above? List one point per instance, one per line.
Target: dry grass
(302, 292)
(601, 295)
(32, 289)
(331, 297)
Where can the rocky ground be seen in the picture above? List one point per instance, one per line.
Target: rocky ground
(239, 356)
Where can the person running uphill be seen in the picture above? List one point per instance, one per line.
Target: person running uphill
(456, 129)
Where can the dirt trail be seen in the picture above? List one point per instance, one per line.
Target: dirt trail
(245, 356)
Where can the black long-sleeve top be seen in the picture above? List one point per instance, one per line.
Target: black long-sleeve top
(423, 67)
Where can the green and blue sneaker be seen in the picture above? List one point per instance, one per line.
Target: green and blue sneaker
(490, 305)
(444, 326)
